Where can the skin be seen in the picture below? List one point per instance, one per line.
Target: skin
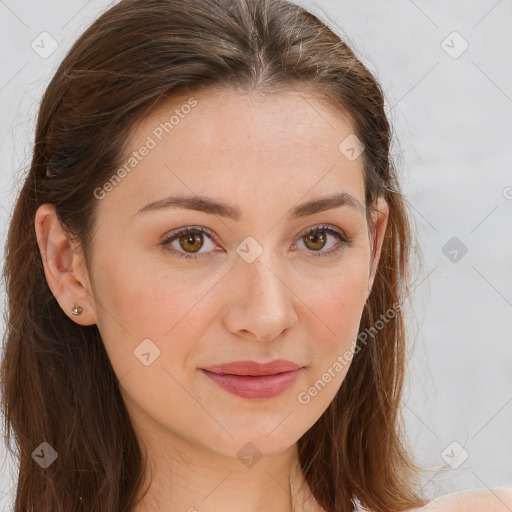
(262, 154)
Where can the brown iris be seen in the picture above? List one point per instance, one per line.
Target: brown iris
(316, 238)
(191, 239)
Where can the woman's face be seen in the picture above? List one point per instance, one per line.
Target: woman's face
(253, 287)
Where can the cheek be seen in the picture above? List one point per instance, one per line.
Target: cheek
(338, 301)
(334, 316)
(150, 321)
(139, 301)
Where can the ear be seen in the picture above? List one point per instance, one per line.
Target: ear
(64, 266)
(377, 231)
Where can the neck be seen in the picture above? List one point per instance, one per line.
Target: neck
(188, 478)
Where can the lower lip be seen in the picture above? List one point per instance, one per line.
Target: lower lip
(248, 386)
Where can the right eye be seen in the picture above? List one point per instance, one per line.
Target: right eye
(189, 238)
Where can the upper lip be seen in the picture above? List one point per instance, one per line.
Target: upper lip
(253, 367)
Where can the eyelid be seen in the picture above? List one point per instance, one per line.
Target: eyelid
(322, 227)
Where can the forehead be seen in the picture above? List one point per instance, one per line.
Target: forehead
(237, 145)
(232, 119)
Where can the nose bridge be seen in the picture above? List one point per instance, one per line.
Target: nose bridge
(260, 266)
(263, 301)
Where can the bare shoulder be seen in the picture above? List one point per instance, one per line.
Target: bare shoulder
(497, 499)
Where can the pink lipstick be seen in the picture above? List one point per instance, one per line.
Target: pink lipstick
(250, 379)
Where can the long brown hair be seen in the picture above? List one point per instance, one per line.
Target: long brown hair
(58, 385)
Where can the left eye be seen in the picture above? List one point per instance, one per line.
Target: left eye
(191, 239)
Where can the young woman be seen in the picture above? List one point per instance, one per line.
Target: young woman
(206, 268)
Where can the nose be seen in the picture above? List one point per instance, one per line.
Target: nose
(262, 304)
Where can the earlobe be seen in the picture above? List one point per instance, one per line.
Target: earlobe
(64, 267)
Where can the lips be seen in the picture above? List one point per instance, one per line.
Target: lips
(249, 379)
(253, 368)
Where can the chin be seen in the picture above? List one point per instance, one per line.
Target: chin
(260, 439)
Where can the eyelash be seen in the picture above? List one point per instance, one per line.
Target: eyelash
(344, 240)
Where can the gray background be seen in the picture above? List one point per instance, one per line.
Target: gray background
(452, 116)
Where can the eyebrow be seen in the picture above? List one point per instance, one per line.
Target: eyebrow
(213, 207)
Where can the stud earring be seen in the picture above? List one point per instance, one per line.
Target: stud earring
(77, 310)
